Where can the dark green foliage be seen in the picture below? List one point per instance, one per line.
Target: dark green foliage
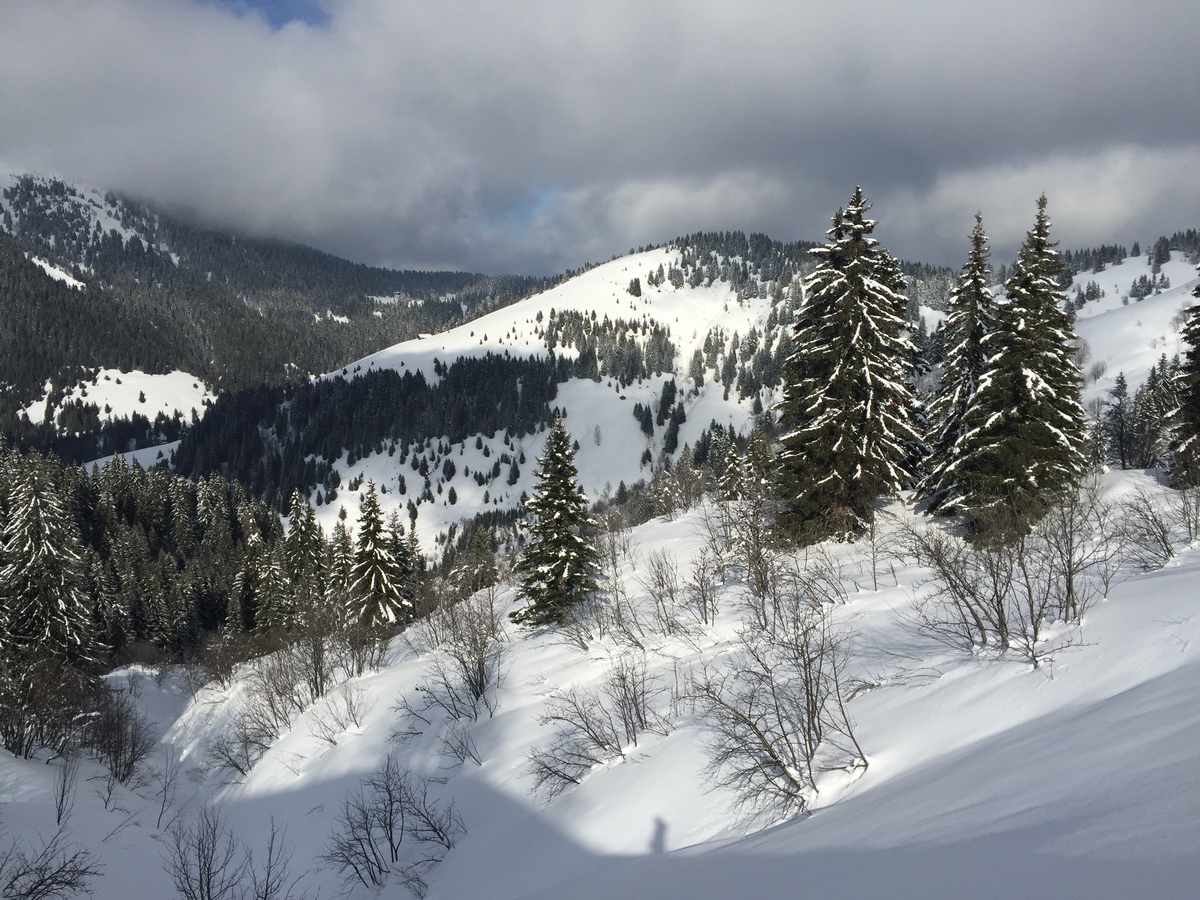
(1185, 445)
(558, 568)
(847, 408)
(1024, 430)
(377, 589)
(970, 320)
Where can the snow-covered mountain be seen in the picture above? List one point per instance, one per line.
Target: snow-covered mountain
(985, 774)
(613, 447)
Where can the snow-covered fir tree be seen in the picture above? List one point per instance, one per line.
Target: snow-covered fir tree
(1024, 430)
(970, 318)
(558, 567)
(376, 586)
(43, 605)
(304, 551)
(1185, 444)
(847, 407)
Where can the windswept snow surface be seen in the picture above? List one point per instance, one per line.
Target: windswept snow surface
(986, 778)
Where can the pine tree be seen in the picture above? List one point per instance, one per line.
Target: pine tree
(1118, 422)
(847, 407)
(558, 567)
(1024, 430)
(970, 319)
(43, 604)
(1185, 443)
(376, 590)
(304, 552)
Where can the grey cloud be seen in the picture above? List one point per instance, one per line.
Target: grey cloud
(537, 136)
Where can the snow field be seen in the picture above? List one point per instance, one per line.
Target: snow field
(985, 775)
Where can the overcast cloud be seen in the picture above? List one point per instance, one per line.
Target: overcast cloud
(532, 137)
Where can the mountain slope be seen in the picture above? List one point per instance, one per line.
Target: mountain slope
(1078, 778)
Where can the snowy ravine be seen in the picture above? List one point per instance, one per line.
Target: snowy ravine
(986, 777)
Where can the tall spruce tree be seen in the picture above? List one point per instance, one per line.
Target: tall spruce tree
(376, 588)
(971, 317)
(43, 604)
(1024, 430)
(558, 567)
(1185, 444)
(847, 407)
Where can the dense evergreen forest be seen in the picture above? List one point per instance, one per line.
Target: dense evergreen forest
(160, 295)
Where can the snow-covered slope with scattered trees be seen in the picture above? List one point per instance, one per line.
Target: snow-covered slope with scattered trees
(929, 709)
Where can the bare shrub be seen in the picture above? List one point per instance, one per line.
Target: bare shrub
(388, 808)
(365, 648)
(42, 704)
(596, 726)
(615, 552)
(704, 585)
(777, 712)
(224, 654)
(466, 641)
(166, 779)
(1185, 505)
(206, 861)
(50, 872)
(120, 735)
(1003, 593)
(66, 783)
(458, 744)
(338, 712)
(1148, 531)
(660, 581)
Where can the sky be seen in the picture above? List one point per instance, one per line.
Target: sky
(532, 137)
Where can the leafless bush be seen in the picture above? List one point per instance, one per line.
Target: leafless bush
(1185, 505)
(229, 650)
(206, 861)
(120, 735)
(660, 581)
(614, 546)
(1004, 592)
(1148, 531)
(53, 871)
(388, 808)
(466, 641)
(42, 704)
(166, 779)
(596, 726)
(458, 744)
(66, 783)
(704, 586)
(278, 690)
(365, 648)
(337, 713)
(777, 712)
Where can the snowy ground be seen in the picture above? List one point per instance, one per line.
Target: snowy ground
(986, 777)
(120, 394)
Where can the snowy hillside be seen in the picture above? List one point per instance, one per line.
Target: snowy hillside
(612, 445)
(122, 394)
(1119, 337)
(985, 775)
